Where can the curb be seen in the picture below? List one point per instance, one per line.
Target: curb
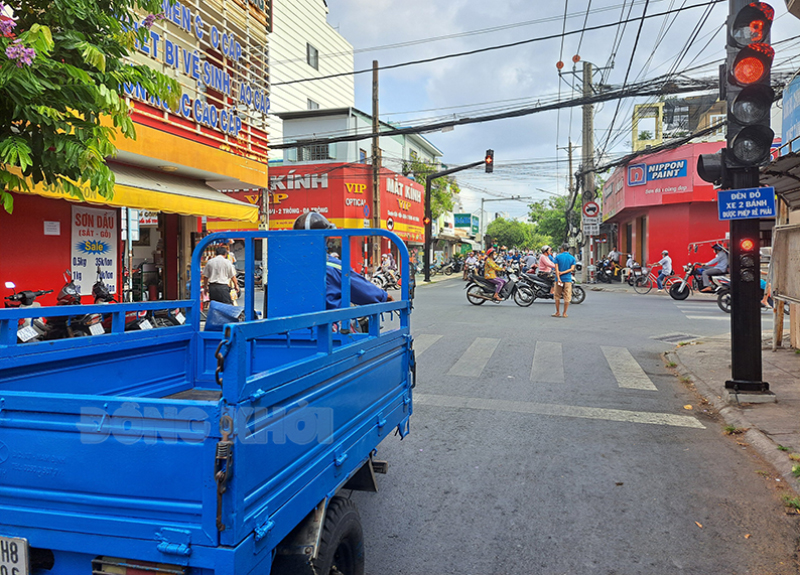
(421, 282)
(765, 446)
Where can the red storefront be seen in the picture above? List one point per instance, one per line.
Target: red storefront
(660, 203)
(343, 194)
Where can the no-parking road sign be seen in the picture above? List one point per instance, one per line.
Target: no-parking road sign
(591, 209)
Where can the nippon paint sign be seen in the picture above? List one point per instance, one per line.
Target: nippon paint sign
(640, 174)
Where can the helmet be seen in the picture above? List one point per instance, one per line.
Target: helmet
(490, 251)
(312, 221)
(717, 248)
(545, 248)
(665, 253)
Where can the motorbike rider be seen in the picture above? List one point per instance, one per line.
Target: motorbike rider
(715, 267)
(469, 264)
(362, 291)
(547, 266)
(490, 270)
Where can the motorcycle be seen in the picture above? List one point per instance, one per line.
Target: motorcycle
(607, 271)
(480, 290)
(541, 286)
(386, 279)
(724, 298)
(28, 329)
(692, 280)
(72, 326)
(133, 320)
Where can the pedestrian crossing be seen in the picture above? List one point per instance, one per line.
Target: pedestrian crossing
(547, 365)
(708, 310)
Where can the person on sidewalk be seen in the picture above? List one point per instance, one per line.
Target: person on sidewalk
(490, 269)
(565, 266)
(666, 269)
(716, 267)
(219, 277)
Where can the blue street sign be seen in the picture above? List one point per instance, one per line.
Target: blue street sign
(366, 211)
(747, 204)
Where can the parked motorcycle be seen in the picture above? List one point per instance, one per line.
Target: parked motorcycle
(607, 271)
(72, 326)
(541, 286)
(692, 280)
(480, 290)
(28, 329)
(134, 320)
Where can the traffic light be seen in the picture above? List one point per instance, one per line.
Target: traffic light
(747, 260)
(489, 161)
(745, 84)
(748, 91)
(426, 221)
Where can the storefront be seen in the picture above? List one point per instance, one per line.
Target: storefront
(343, 194)
(171, 172)
(660, 203)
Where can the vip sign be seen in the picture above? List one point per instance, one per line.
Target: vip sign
(355, 188)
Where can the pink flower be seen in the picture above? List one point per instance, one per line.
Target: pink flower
(24, 56)
(7, 26)
(150, 19)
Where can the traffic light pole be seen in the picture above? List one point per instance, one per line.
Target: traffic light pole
(428, 214)
(746, 367)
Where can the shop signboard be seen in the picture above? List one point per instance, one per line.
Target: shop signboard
(94, 246)
(791, 111)
(463, 220)
(476, 225)
(746, 204)
(217, 51)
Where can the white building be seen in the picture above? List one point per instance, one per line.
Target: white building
(303, 45)
(395, 150)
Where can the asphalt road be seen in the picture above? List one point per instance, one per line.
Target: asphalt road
(542, 445)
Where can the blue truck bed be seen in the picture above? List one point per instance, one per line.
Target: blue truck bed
(193, 449)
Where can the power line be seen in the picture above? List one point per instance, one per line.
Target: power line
(495, 47)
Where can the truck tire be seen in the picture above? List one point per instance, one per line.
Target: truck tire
(341, 547)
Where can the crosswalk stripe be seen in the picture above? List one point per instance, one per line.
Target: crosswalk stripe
(472, 361)
(628, 372)
(725, 317)
(423, 341)
(548, 363)
(557, 410)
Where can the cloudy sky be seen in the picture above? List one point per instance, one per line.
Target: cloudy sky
(530, 152)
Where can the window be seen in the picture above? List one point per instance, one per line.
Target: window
(312, 56)
(362, 156)
(312, 105)
(716, 119)
(316, 153)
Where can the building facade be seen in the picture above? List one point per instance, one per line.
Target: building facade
(171, 172)
(303, 45)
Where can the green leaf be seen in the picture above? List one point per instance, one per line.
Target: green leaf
(92, 56)
(15, 151)
(8, 201)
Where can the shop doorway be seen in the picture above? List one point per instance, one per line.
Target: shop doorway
(642, 247)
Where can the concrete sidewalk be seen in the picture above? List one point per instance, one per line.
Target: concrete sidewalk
(706, 364)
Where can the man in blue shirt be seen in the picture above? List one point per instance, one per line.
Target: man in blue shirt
(565, 265)
(716, 267)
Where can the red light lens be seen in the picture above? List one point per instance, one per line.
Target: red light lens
(749, 70)
(747, 245)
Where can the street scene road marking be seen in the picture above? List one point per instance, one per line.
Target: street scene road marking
(725, 317)
(472, 361)
(557, 410)
(423, 341)
(627, 370)
(548, 363)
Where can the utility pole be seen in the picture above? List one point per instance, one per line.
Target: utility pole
(376, 169)
(588, 159)
(570, 188)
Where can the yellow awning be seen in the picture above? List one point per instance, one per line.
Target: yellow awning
(140, 189)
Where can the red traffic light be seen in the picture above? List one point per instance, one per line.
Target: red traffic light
(489, 161)
(753, 64)
(426, 221)
(747, 245)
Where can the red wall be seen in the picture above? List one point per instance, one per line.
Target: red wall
(29, 258)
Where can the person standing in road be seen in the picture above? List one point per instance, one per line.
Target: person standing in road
(565, 266)
(716, 267)
(219, 277)
(666, 269)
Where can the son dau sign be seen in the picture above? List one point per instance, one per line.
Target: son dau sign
(746, 204)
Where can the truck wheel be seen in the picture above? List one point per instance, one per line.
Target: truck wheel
(341, 547)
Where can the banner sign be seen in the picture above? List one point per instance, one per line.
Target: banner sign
(463, 220)
(640, 174)
(747, 204)
(94, 245)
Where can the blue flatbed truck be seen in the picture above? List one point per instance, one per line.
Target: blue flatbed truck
(184, 451)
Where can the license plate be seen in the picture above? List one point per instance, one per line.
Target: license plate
(180, 317)
(145, 324)
(27, 333)
(13, 556)
(96, 329)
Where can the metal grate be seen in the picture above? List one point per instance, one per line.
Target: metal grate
(675, 337)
